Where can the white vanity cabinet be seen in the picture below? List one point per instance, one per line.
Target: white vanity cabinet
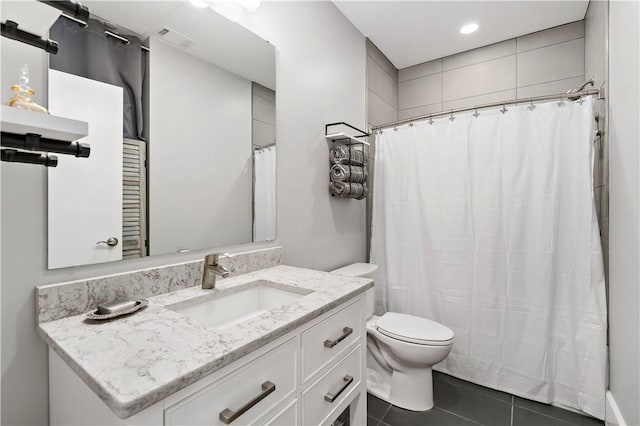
(306, 377)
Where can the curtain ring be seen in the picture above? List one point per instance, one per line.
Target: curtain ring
(395, 129)
(452, 117)
(476, 114)
(581, 100)
(430, 120)
(532, 106)
(411, 124)
(504, 109)
(561, 103)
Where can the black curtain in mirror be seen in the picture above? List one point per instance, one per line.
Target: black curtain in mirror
(90, 53)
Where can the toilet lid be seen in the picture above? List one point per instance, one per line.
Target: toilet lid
(413, 329)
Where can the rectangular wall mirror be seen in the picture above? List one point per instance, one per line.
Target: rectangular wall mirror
(180, 103)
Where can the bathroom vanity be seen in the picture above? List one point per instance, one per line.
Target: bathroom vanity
(280, 346)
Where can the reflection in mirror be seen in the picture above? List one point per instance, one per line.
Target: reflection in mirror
(181, 110)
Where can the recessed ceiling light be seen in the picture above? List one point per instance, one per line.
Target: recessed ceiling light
(199, 3)
(469, 28)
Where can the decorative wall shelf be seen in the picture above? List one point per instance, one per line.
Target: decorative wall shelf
(21, 122)
(345, 133)
(42, 133)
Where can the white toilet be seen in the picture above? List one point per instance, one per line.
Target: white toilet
(401, 350)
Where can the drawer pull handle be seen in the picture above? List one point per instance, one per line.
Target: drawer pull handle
(227, 416)
(330, 397)
(345, 333)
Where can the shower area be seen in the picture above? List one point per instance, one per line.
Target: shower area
(489, 211)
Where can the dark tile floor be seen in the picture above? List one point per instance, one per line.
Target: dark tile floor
(460, 403)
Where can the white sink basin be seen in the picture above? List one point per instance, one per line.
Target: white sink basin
(253, 299)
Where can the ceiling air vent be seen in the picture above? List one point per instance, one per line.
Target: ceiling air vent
(175, 38)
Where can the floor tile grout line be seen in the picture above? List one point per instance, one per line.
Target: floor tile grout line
(512, 403)
(385, 413)
(478, 391)
(547, 415)
(457, 415)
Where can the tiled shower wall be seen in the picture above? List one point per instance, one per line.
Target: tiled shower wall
(382, 87)
(596, 65)
(546, 62)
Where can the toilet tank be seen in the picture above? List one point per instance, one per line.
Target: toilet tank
(363, 270)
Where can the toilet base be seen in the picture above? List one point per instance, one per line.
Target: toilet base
(411, 390)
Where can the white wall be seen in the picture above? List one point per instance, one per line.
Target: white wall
(200, 181)
(624, 238)
(320, 60)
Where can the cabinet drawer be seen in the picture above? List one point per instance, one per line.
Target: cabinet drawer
(250, 386)
(286, 417)
(331, 389)
(326, 340)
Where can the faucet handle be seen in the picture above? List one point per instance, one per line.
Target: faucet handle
(213, 258)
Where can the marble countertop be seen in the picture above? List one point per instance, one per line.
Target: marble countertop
(135, 361)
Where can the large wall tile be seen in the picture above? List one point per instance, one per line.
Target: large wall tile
(263, 133)
(378, 56)
(595, 61)
(420, 91)
(263, 109)
(381, 83)
(380, 112)
(264, 92)
(504, 95)
(491, 76)
(482, 54)
(421, 110)
(551, 88)
(551, 63)
(420, 70)
(551, 36)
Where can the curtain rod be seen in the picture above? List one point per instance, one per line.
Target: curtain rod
(257, 147)
(107, 33)
(567, 96)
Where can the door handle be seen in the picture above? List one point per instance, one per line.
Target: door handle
(330, 397)
(227, 416)
(111, 242)
(345, 333)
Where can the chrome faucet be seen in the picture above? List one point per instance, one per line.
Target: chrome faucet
(211, 269)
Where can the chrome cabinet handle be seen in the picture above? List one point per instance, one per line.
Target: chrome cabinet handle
(330, 397)
(331, 343)
(111, 242)
(227, 416)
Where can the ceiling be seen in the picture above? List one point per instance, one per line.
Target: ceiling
(412, 32)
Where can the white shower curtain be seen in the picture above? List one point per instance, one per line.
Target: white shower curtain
(264, 213)
(487, 224)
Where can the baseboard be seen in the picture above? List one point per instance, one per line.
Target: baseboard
(613, 416)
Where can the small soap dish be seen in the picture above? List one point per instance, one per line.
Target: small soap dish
(136, 306)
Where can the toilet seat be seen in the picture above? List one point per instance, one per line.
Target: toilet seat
(413, 329)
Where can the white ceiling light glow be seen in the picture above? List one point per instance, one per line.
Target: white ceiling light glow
(469, 28)
(199, 3)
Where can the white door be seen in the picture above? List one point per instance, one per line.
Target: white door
(85, 194)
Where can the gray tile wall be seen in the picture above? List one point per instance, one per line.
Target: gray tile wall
(382, 87)
(382, 106)
(263, 115)
(596, 61)
(546, 62)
